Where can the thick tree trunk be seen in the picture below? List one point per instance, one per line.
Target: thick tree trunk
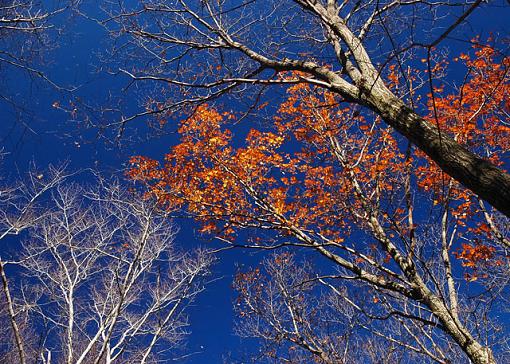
(480, 176)
(451, 325)
(477, 353)
(480, 354)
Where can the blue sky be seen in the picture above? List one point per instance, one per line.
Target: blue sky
(44, 135)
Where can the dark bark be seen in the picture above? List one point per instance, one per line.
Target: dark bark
(478, 175)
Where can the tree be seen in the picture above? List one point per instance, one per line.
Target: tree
(202, 50)
(27, 33)
(24, 31)
(327, 178)
(301, 318)
(98, 279)
(20, 210)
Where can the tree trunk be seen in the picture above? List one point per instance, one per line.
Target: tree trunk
(475, 173)
(479, 354)
(476, 353)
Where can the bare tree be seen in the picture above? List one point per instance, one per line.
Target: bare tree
(281, 305)
(301, 316)
(25, 27)
(20, 209)
(29, 32)
(101, 280)
(200, 50)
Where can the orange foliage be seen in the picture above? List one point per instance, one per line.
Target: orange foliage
(261, 183)
(473, 255)
(301, 171)
(474, 116)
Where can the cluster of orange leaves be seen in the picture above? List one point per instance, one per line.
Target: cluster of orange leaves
(268, 180)
(473, 255)
(476, 257)
(475, 116)
(287, 174)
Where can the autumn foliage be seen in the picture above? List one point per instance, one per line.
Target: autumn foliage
(475, 115)
(325, 170)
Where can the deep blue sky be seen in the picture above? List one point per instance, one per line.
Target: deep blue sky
(51, 137)
(54, 138)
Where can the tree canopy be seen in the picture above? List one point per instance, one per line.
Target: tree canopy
(322, 176)
(359, 150)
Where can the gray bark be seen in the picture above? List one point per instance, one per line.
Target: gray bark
(480, 176)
